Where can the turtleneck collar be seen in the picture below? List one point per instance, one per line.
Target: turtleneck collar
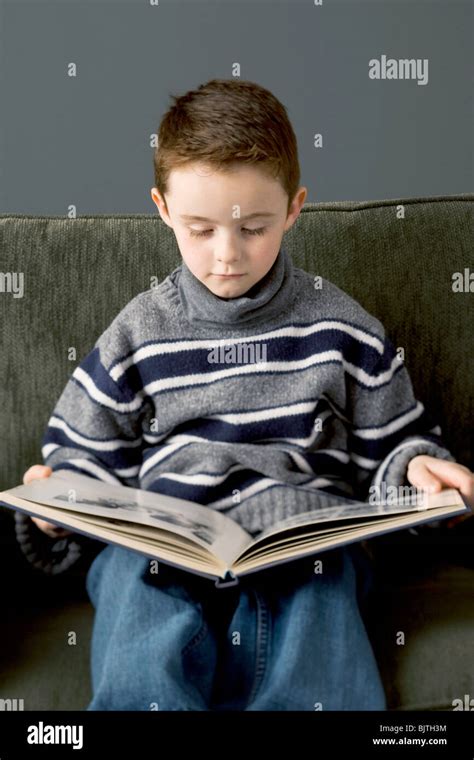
(270, 296)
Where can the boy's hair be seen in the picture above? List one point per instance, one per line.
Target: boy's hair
(225, 122)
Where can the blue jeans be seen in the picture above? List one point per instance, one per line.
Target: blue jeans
(285, 638)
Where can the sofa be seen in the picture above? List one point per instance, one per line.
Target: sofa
(397, 257)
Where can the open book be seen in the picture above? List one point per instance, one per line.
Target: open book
(202, 540)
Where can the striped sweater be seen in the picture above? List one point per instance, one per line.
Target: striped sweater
(261, 406)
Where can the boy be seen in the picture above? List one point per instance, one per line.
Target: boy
(330, 409)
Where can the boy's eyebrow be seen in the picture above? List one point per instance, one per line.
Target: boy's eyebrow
(193, 218)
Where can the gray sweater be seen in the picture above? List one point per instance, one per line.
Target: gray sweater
(264, 406)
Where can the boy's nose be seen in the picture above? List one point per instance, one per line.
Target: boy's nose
(229, 258)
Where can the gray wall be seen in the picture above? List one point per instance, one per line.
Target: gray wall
(85, 140)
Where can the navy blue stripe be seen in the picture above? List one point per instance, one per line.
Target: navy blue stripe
(92, 365)
(264, 375)
(172, 341)
(195, 361)
(294, 426)
(119, 458)
(203, 494)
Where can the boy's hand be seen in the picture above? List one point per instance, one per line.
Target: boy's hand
(432, 474)
(54, 531)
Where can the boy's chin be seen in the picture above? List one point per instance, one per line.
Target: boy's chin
(227, 291)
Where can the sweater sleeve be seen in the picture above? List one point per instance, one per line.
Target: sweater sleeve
(388, 426)
(95, 429)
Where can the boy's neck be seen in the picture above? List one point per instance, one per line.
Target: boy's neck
(269, 297)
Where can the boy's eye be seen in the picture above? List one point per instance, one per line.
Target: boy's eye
(204, 233)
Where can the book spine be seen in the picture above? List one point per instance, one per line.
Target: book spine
(229, 580)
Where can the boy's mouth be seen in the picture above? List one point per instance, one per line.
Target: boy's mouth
(228, 275)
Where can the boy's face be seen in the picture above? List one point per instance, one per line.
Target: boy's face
(229, 243)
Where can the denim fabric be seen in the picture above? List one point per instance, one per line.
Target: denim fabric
(285, 638)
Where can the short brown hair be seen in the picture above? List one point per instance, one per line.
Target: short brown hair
(224, 122)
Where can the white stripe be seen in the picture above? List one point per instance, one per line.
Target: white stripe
(372, 433)
(166, 451)
(364, 462)
(112, 445)
(86, 464)
(322, 482)
(160, 348)
(342, 456)
(200, 478)
(93, 391)
(301, 462)
(48, 449)
(127, 472)
(289, 410)
(369, 380)
(264, 368)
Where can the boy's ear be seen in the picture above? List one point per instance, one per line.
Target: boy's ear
(160, 205)
(296, 206)
(156, 197)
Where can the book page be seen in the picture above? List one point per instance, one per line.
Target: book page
(307, 543)
(352, 509)
(68, 490)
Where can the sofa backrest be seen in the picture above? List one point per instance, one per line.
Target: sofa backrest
(396, 257)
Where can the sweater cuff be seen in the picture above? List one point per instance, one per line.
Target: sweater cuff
(50, 555)
(393, 470)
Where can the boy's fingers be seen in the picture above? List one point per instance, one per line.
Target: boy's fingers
(428, 483)
(432, 475)
(55, 531)
(455, 475)
(43, 471)
(452, 474)
(420, 477)
(36, 471)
